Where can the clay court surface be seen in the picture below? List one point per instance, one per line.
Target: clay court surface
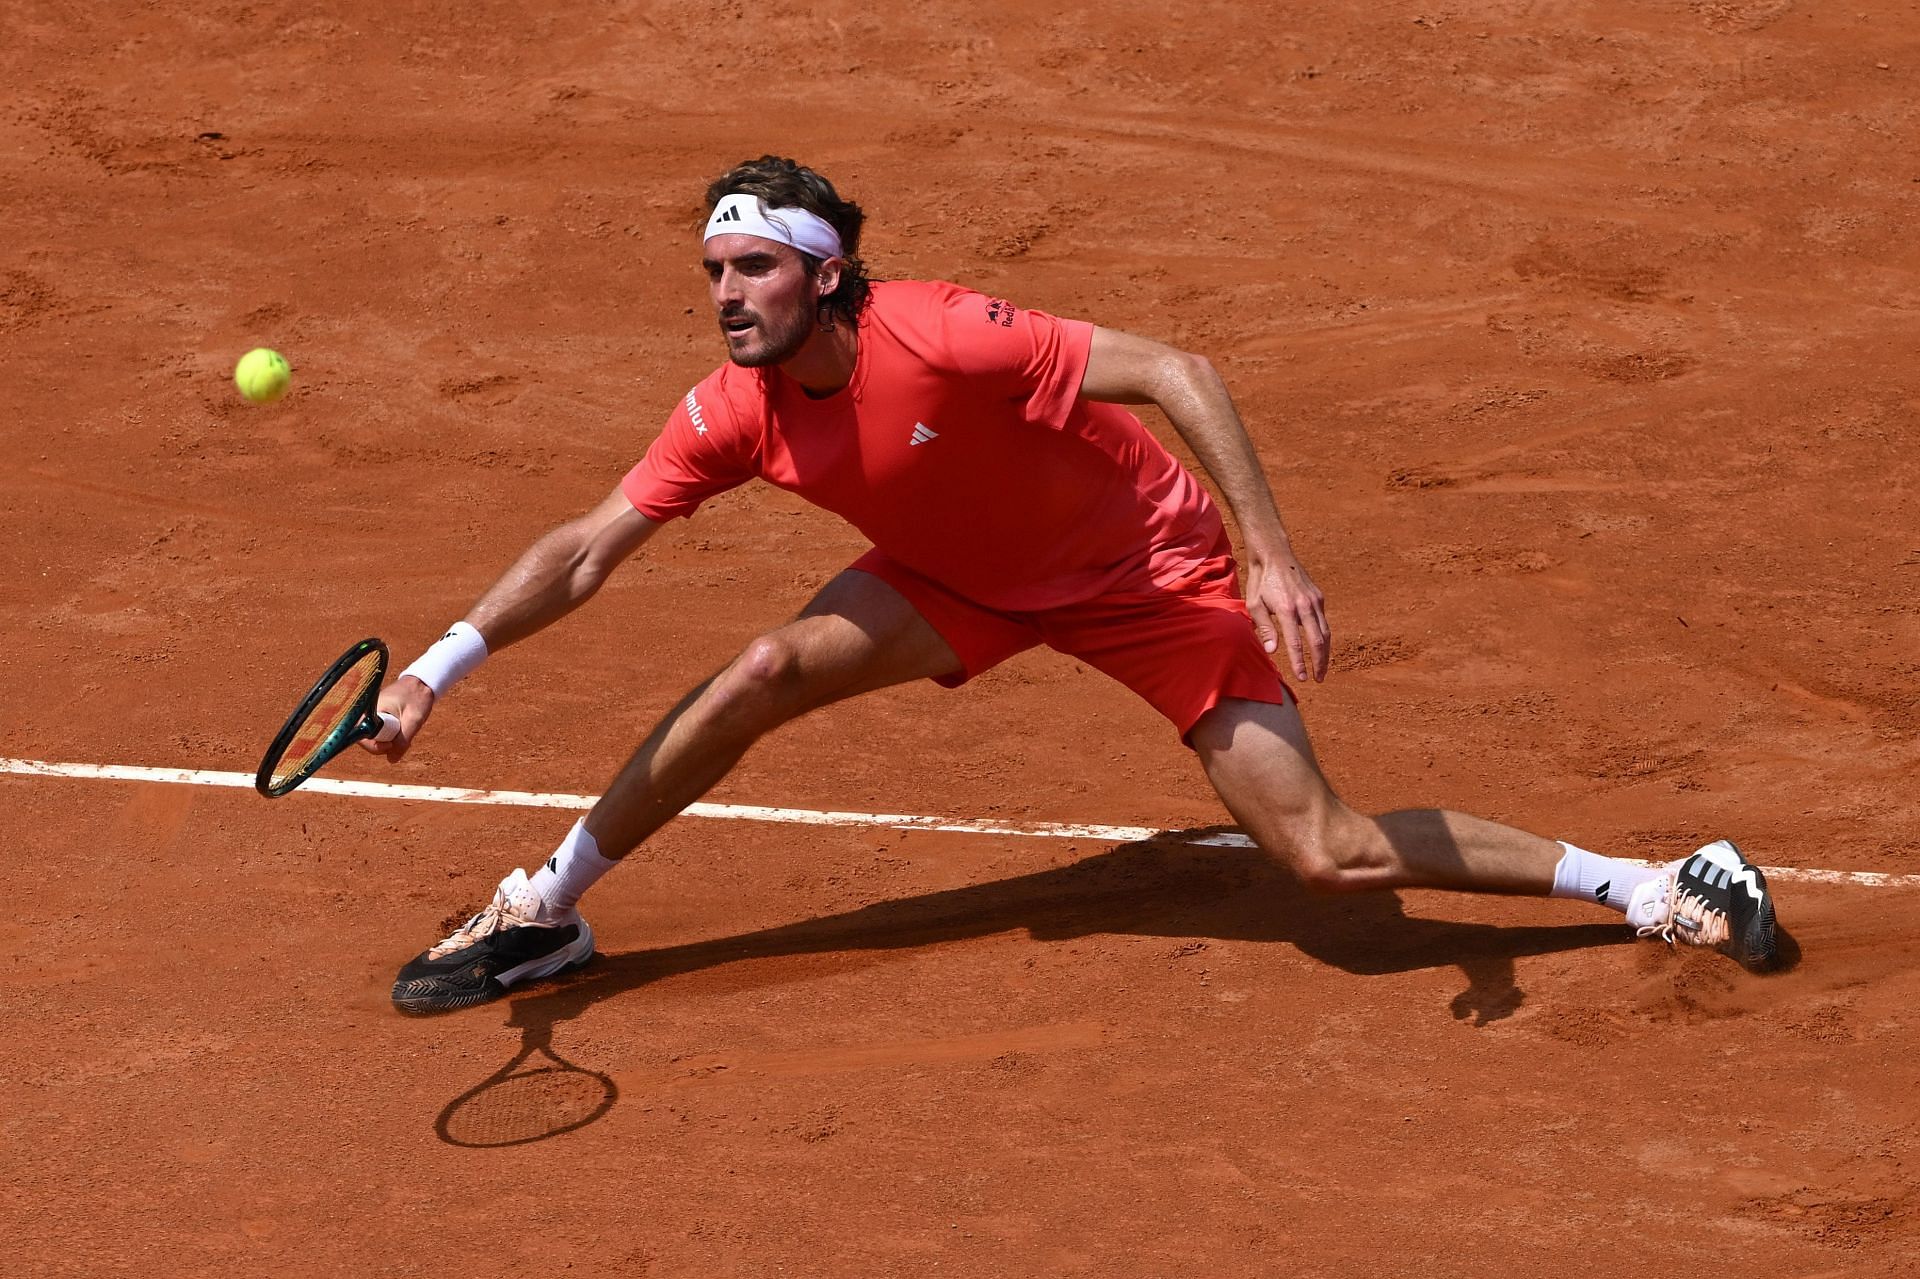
(1579, 340)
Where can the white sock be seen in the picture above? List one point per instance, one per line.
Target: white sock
(574, 868)
(1593, 878)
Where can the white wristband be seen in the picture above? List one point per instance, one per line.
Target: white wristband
(452, 657)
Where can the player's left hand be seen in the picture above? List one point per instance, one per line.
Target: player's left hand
(1287, 607)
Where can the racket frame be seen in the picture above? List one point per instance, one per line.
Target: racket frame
(360, 722)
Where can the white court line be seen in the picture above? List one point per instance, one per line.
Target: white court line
(756, 813)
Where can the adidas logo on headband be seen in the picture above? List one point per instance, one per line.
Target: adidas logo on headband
(743, 214)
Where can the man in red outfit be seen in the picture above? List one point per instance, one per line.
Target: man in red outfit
(1010, 502)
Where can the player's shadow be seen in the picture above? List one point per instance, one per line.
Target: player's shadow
(1167, 886)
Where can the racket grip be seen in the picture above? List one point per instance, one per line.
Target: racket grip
(389, 727)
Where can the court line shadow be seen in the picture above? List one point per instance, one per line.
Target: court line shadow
(1161, 887)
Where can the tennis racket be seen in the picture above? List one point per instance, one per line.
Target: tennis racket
(337, 713)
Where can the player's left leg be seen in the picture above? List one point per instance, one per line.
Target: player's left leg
(1190, 651)
(1261, 763)
(1258, 758)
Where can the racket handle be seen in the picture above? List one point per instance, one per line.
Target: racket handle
(389, 728)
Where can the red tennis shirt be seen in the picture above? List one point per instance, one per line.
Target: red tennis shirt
(961, 448)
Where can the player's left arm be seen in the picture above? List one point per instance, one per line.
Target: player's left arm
(1285, 604)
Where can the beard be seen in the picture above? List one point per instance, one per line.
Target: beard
(770, 341)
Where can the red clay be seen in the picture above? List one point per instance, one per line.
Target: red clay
(1579, 340)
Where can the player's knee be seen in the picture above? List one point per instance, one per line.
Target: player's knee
(1326, 852)
(770, 665)
(760, 685)
(1322, 874)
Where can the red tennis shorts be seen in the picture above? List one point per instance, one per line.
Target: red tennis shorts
(1185, 648)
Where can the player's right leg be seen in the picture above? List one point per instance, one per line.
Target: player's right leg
(858, 635)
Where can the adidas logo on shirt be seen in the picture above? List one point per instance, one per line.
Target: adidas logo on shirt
(922, 433)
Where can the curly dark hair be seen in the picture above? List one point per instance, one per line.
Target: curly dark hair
(781, 183)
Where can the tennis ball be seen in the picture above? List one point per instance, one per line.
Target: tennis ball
(262, 375)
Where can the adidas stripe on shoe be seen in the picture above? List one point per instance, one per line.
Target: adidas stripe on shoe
(1716, 898)
(507, 942)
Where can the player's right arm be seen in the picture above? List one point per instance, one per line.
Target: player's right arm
(560, 572)
(708, 445)
(557, 574)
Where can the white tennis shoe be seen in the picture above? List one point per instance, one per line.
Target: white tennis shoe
(1716, 898)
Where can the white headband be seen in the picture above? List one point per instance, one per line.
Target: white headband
(743, 214)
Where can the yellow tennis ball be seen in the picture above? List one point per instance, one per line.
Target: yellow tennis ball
(262, 375)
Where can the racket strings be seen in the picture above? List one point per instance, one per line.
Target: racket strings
(329, 716)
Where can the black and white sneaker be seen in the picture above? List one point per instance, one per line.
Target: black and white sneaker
(505, 943)
(1714, 898)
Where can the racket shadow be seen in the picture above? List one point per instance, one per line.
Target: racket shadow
(536, 1096)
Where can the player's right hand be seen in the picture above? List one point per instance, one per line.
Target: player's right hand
(409, 701)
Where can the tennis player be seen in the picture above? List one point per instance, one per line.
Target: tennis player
(1011, 502)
